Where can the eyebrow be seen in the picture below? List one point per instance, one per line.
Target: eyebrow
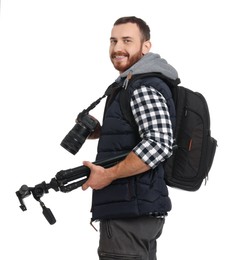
(124, 38)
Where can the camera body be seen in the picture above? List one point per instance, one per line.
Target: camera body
(85, 125)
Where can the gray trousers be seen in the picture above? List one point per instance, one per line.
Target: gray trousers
(128, 239)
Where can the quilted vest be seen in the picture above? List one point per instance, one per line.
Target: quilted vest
(139, 195)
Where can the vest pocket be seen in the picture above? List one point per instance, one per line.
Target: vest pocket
(118, 191)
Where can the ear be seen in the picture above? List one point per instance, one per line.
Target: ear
(146, 46)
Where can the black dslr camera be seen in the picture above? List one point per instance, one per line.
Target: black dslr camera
(85, 125)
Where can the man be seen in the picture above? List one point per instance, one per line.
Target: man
(130, 199)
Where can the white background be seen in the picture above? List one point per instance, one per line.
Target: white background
(53, 63)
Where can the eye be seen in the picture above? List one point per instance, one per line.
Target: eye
(113, 41)
(127, 41)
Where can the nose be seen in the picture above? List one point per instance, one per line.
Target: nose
(119, 46)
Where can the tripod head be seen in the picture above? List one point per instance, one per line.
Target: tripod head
(38, 191)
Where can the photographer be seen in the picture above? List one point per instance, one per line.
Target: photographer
(130, 199)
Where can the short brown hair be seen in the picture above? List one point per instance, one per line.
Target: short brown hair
(144, 28)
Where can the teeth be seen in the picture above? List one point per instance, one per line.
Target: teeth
(119, 57)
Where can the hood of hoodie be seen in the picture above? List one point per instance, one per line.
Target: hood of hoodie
(151, 62)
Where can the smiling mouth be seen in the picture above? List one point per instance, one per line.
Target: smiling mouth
(119, 56)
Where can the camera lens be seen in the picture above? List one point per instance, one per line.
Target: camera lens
(75, 138)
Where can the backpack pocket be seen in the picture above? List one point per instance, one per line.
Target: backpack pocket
(211, 150)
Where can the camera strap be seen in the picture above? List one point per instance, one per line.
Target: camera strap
(94, 104)
(109, 91)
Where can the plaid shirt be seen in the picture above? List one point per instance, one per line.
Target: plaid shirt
(154, 125)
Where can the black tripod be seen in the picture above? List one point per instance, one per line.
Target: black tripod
(64, 181)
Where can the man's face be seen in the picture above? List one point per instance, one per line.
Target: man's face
(126, 46)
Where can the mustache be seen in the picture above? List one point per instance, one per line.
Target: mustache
(119, 53)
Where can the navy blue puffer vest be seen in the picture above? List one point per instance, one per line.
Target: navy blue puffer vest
(139, 195)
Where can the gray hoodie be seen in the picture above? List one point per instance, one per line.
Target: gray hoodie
(151, 62)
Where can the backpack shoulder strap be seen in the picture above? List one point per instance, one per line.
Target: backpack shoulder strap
(125, 97)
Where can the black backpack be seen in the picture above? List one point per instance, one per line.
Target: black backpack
(194, 148)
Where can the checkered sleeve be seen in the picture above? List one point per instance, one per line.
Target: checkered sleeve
(154, 125)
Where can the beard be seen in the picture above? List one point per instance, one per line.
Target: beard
(131, 60)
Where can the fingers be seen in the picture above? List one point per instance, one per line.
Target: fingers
(85, 186)
(95, 181)
(88, 164)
